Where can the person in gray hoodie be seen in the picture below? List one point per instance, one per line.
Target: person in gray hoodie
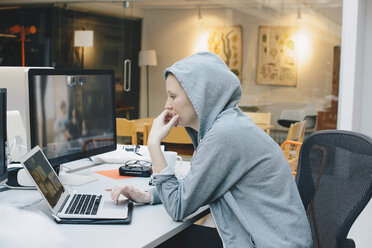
(236, 169)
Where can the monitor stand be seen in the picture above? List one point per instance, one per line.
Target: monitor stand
(75, 179)
(66, 170)
(18, 178)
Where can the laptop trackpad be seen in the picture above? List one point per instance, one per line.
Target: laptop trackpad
(109, 208)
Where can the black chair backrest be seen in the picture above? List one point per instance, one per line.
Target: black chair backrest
(334, 178)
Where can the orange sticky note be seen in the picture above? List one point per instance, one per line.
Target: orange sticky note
(114, 174)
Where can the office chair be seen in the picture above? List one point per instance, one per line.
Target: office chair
(334, 178)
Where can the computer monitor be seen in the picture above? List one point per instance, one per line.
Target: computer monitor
(3, 142)
(15, 80)
(16, 135)
(72, 113)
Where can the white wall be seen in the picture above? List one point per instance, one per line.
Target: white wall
(355, 91)
(356, 74)
(169, 34)
(351, 70)
(173, 34)
(366, 115)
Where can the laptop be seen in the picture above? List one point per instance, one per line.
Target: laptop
(66, 206)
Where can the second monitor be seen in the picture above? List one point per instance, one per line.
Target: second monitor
(72, 113)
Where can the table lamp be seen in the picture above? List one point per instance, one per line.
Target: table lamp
(83, 38)
(147, 58)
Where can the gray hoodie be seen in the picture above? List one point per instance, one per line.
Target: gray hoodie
(236, 168)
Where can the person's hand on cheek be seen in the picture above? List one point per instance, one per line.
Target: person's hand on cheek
(162, 126)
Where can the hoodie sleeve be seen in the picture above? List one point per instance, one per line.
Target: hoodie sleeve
(213, 172)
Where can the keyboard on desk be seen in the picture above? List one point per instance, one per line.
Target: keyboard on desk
(84, 204)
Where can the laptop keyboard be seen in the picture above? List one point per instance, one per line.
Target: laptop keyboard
(84, 204)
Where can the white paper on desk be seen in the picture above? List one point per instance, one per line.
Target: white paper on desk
(120, 155)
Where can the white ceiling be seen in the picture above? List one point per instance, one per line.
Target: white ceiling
(330, 9)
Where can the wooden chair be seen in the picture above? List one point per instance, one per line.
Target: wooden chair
(146, 132)
(178, 135)
(126, 128)
(177, 140)
(297, 131)
(262, 120)
(291, 150)
(292, 146)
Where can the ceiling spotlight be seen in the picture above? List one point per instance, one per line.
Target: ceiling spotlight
(299, 16)
(200, 17)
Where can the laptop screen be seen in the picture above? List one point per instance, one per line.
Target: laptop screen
(3, 157)
(44, 177)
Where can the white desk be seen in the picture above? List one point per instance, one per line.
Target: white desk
(150, 225)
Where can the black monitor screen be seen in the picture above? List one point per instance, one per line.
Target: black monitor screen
(72, 113)
(3, 158)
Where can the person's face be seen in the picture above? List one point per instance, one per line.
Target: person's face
(179, 103)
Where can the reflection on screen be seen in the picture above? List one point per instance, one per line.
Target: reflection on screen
(72, 114)
(45, 178)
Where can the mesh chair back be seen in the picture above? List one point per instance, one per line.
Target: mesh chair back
(334, 178)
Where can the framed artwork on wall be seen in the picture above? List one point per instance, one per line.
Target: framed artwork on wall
(226, 42)
(276, 56)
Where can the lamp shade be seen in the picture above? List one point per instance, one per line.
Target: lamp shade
(83, 38)
(147, 57)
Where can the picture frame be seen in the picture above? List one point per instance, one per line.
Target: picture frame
(226, 42)
(277, 56)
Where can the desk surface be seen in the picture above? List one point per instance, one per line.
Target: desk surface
(150, 225)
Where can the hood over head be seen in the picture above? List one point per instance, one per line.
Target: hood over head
(210, 86)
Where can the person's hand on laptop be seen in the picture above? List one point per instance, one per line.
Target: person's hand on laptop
(131, 193)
